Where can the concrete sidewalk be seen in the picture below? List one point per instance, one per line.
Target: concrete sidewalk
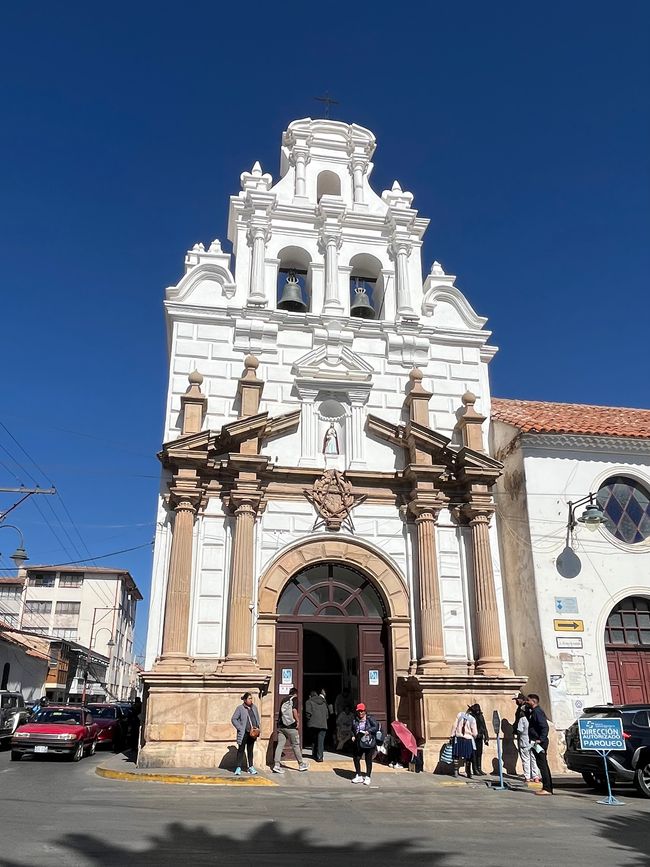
(335, 772)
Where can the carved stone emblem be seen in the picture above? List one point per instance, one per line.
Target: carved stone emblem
(333, 499)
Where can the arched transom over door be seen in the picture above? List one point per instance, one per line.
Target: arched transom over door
(331, 590)
(627, 640)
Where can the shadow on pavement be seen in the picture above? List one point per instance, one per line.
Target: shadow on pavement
(628, 831)
(268, 844)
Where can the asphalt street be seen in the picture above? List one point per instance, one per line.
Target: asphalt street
(55, 812)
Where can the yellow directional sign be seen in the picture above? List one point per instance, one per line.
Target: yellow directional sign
(569, 625)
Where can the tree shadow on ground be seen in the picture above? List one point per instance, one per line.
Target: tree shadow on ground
(268, 844)
(629, 832)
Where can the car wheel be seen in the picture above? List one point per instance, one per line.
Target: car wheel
(642, 778)
(92, 748)
(16, 756)
(77, 755)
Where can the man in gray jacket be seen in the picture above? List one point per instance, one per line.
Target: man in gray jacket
(317, 714)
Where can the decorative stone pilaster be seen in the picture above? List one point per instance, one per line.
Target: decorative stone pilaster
(300, 159)
(401, 252)
(240, 605)
(432, 655)
(358, 167)
(177, 600)
(258, 235)
(331, 212)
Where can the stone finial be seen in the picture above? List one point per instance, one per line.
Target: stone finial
(470, 423)
(198, 248)
(396, 188)
(215, 246)
(193, 404)
(397, 198)
(417, 398)
(437, 270)
(250, 388)
(255, 179)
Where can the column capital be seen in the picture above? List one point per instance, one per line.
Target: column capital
(257, 230)
(329, 235)
(244, 503)
(299, 153)
(184, 501)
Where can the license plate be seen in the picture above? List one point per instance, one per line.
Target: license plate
(40, 749)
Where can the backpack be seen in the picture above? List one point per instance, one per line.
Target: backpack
(286, 713)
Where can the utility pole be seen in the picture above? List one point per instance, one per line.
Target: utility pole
(26, 492)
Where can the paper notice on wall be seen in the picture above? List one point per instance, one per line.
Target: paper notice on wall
(287, 676)
(285, 688)
(575, 675)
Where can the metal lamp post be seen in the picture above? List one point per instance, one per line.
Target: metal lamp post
(20, 554)
(110, 644)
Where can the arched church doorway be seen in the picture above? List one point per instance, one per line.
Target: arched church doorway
(627, 643)
(331, 633)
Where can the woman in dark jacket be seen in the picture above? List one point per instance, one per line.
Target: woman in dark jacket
(246, 720)
(364, 742)
(483, 738)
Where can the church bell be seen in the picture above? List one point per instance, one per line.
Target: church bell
(361, 305)
(291, 298)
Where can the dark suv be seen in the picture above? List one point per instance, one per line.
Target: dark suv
(629, 766)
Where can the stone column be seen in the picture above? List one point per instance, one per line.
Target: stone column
(332, 303)
(358, 169)
(490, 656)
(300, 158)
(240, 619)
(177, 600)
(404, 307)
(433, 651)
(307, 427)
(257, 238)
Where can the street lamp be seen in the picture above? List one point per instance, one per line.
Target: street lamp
(20, 555)
(592, 517)
(110, 644)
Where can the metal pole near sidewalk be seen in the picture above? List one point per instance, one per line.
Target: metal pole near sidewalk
(610, 800)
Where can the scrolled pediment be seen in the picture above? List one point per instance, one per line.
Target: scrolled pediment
(203, 284)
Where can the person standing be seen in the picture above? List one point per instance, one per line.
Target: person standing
(520, 728)
(316, 715)
(538, 734)
(364, 743)
(246, 720)
(463, 741)
(288, 722)
(481, 738)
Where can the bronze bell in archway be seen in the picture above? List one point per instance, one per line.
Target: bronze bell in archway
(361, 306)
(291, 298)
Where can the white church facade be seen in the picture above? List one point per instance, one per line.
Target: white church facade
(325, 514)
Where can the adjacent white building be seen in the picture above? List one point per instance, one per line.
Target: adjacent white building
(89, 606)
(577, 601)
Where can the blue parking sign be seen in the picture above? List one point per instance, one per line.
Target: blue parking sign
(601, 734)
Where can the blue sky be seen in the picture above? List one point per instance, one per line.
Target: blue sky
(523, 131)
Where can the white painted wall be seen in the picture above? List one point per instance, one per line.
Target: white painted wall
(533, 515)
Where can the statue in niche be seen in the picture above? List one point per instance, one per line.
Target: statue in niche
(331, 441)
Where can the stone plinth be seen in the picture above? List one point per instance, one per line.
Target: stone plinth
(187, 717)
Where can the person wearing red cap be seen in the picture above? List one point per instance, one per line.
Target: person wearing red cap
(364, 743)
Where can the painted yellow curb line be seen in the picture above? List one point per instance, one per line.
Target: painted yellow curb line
(201, 779)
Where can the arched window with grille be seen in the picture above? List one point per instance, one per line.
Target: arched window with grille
(331, 590)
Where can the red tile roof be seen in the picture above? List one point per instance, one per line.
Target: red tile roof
(33, 645)
(534, 416)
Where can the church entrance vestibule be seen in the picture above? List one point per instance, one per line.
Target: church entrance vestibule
(331, 633)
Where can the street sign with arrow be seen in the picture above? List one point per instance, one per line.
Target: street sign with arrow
(569, 625)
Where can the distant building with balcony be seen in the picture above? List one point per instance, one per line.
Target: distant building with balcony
(91, 609)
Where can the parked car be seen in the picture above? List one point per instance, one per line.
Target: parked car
(12, 712)
(112, 724)
(631, 765)
(57, 729)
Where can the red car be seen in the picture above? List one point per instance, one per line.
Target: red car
(59, 730)
(112, 725)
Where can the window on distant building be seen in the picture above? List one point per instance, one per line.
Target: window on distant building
(9, 619)
(37, 606)
(626, 505)
(71, 579)
(36, 630)
(11, 591)
(67, 607)
(44, 579)
(69, 634)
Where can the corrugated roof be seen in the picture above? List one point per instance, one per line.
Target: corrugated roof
(534, 416)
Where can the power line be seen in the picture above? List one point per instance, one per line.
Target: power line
(100, 556)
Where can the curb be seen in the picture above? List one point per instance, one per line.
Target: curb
(182, 779)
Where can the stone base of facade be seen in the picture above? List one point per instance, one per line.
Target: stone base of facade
(430, 704)
(187, 715)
